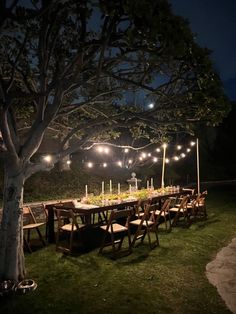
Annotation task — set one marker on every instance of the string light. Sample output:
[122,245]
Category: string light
[47,158]
[143,157]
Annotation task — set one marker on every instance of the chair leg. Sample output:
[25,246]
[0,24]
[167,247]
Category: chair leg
[27,245]
[174,222]
[71,242]
[40,236]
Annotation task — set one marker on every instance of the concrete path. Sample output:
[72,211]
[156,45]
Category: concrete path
[221,273]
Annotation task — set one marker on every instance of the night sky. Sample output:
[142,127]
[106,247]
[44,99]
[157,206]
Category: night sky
[214,23]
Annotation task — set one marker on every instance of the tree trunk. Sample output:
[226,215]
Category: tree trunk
[12,264]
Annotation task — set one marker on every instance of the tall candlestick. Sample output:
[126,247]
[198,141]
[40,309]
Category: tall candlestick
[147,184]
[130,188]
[110,186]
[118,190]
[151,183]
[86,191]
[102,187]
[136,183]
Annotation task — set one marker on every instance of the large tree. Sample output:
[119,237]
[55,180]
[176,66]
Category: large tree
[67,65]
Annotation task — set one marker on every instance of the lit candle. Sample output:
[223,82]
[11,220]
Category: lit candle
[136,183]
[130,188]
[147,184]
[102,187]
[118,188]
[151,183]
[86,191]
[110,186]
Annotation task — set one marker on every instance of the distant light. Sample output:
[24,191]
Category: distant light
[104,165]
[130,161]
[164,145]
[149,154]
[176,158]
[188,150]
[47,158]
[90,164]
[155,159]
[192,143]
[179,147]
[151,106]
[158,150]
[183,155]
[126,150]
[68,162]
[140,158]
[167,160]
[100,149]
[144,155]
[119,163]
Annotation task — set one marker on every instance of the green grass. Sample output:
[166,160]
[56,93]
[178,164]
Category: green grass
[169,279]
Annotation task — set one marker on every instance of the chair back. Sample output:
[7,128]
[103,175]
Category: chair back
[65,216]
[28,217]
[39,213]
[118,214]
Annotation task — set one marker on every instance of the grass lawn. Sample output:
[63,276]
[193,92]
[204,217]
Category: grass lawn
[169,279]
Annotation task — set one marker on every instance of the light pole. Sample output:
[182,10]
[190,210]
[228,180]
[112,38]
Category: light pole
[163,165]
[198,173]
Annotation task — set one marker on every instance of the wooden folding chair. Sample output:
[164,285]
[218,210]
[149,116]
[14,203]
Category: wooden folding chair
[139,208]
[115,232]
[162,213]
[181,210]
[67,225]
[144,226]
[198,205]
[30,223]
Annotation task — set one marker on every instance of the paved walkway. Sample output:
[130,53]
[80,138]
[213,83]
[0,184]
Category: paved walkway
[221,273]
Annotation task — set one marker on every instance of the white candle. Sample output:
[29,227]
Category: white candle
[110,186]
[136,183]
[118,188]
[151,183]
[130,188]
[86,191]
[147,184]
[102,187]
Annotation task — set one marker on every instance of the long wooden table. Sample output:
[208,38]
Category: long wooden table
[87,211]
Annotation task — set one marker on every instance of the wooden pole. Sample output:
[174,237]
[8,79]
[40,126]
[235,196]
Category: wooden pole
[198,173]
[163,166]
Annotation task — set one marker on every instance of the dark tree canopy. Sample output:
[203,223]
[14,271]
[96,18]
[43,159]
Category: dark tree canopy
[68,65]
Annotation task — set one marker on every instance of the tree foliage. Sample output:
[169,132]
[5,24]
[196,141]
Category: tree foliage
[68,64]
